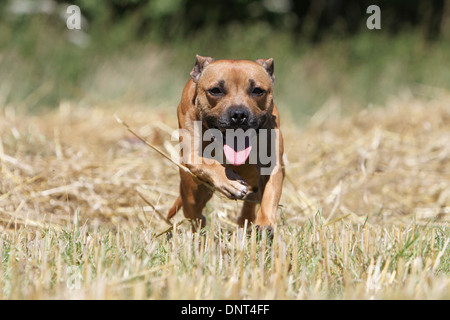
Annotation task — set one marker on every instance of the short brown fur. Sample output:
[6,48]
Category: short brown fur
[236,78]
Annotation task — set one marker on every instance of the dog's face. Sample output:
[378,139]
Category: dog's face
[233,94]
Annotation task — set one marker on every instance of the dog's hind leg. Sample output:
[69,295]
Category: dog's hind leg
[194,197]
[176,206]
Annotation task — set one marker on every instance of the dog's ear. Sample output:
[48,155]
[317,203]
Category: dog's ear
[200,64]
[268,65]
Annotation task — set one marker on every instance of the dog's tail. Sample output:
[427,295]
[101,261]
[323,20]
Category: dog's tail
[176,206]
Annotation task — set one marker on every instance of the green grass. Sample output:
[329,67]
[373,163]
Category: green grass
[337,261]
[40,67]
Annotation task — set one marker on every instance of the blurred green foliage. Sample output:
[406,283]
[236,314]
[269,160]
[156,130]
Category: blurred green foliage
[310,18]
[137,51]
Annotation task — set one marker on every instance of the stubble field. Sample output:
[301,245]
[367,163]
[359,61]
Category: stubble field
[365,209]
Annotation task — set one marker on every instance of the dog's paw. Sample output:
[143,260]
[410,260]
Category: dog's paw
[233,189]
[233,186]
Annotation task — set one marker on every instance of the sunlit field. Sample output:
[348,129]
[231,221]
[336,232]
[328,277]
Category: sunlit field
[364,215]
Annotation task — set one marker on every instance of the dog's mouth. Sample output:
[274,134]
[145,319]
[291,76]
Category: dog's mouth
[237,151]
[236,146]
[237,143]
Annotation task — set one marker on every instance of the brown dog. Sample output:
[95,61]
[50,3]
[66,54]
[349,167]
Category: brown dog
[224,96]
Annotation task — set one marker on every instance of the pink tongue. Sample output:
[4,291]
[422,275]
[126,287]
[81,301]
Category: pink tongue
[235,157]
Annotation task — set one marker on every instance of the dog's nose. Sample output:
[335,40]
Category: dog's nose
[238,116]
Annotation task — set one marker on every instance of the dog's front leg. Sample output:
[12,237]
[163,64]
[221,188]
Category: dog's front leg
[271,186]
[225,180]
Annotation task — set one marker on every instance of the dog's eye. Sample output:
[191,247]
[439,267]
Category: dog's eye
[216,91]
[258,91]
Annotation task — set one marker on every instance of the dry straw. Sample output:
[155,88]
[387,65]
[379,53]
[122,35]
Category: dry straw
[361,192]
[389,165]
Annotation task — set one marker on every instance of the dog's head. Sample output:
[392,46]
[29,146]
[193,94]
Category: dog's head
[236,98]
[233,94]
